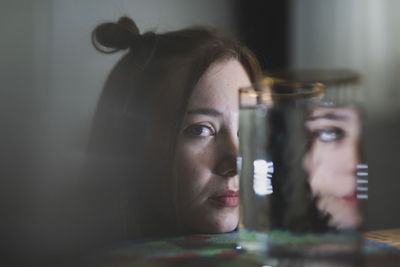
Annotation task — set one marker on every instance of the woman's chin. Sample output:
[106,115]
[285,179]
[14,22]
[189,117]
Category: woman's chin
[217,224]
[223,228]
[342,214]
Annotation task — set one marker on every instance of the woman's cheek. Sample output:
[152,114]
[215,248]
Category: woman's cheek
[192,169]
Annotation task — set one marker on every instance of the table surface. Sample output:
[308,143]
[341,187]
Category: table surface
[284,249]
[387,236]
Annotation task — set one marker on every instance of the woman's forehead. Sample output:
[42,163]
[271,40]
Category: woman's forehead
[219,84]
[339,113]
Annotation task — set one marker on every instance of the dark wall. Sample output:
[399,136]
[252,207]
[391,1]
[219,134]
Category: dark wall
[264,27]
[382,149]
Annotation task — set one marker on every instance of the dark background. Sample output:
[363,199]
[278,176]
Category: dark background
[265,28]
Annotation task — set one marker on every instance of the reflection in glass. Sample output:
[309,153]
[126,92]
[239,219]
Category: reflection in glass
[331,163]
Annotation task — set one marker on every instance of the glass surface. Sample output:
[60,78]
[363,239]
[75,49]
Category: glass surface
[300,162]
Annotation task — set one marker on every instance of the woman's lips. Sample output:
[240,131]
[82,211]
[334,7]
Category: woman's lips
[351,199]
[227,198]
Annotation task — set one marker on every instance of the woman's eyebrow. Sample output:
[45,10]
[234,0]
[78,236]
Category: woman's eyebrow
[329,116]
[205,111]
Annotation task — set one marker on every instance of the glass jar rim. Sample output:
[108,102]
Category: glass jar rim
[284,88]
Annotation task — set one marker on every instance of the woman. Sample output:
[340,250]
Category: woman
[332,163]
[165,130]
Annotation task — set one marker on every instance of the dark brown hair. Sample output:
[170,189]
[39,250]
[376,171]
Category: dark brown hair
[141,109]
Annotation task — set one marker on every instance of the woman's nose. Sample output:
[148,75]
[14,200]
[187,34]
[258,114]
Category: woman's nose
[227,151]
[351,157]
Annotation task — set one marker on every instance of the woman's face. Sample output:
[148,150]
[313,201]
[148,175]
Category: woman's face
[207,182]
[332,163]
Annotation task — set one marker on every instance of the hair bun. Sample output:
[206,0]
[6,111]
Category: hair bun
[115,36]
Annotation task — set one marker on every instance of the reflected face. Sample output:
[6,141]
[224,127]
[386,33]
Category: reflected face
[207,182]
[332,162]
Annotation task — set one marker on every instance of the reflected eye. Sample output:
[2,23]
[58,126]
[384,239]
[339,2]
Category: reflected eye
[198,130]
[329,135]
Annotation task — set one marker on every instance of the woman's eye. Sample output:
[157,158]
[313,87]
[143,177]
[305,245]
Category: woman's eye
[198,130]
[330,135]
